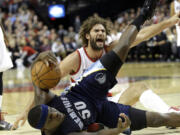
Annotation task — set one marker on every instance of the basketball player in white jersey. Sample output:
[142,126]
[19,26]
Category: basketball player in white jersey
[175,8]
[5,64]
[75,63]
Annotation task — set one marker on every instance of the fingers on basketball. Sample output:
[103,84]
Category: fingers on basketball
[45,77]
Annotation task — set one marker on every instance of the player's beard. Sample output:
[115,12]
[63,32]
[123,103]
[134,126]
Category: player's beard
[94,45]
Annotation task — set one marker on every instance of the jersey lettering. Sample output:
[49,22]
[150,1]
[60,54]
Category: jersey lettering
[71,112]
[81,107]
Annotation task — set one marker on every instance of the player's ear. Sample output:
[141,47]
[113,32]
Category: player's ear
[87,36]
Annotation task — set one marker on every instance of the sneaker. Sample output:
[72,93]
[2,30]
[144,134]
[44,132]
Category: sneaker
[5,125]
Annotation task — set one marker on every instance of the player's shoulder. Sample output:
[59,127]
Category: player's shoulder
[71,61]
[73,56]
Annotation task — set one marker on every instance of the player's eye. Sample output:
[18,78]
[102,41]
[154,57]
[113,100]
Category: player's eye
[96,30]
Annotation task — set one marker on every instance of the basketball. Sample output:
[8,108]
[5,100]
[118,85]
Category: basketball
[43,76]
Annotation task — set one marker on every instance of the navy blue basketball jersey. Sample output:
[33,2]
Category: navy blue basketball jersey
[86,102]
[78,113]
[95,82]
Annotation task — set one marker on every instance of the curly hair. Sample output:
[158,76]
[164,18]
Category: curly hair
[89,23]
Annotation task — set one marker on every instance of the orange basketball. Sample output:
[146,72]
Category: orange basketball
[43,76]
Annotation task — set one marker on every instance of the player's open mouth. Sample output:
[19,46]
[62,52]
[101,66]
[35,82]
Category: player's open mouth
[100,41]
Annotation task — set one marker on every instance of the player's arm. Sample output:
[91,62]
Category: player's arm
[110,131]
[48,58]
[70,64]
[150,31]
[42,96]
[23,116]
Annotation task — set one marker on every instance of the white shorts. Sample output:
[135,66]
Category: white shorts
[120,88]
[5,59]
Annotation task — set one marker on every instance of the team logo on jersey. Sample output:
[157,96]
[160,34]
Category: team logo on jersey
[100,78]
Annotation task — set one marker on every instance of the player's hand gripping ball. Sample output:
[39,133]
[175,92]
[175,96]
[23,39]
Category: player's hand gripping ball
[45,77]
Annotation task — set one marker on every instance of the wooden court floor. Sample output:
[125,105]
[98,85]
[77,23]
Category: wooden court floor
[162,78]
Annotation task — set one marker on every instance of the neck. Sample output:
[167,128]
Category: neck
[93,54]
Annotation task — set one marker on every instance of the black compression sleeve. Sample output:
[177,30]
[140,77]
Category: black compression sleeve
[111,62]
[139,21]
[138,119]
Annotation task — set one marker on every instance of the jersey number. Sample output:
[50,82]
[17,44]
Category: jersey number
[81,107]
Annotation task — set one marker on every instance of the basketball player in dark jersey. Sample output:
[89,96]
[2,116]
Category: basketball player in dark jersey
[86,102]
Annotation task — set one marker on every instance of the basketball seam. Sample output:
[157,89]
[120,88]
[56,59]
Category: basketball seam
[41,69]
[40,81]
[44,74]
[36,73]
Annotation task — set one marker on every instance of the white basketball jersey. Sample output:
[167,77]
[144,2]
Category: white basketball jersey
[177,10]
[85,62]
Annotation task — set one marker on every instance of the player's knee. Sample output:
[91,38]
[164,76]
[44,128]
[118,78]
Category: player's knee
[141,88]
[137,91]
